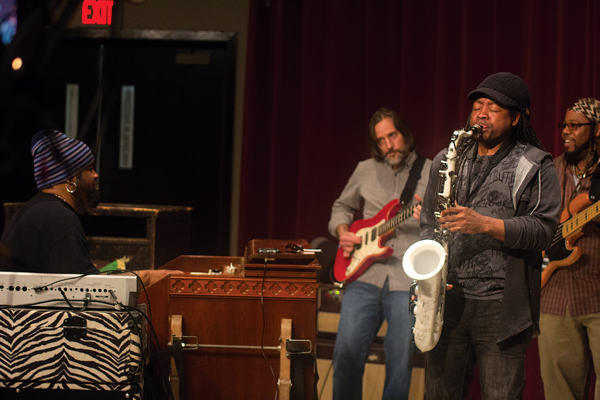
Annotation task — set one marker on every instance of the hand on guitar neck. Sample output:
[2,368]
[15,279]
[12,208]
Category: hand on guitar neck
[417,208]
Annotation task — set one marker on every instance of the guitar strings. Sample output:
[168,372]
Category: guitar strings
[559,235]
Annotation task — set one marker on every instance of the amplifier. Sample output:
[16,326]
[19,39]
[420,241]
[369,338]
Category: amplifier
[25,289]
[329,305]
[62,354]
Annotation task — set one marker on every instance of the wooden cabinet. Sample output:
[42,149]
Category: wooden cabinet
[232,324]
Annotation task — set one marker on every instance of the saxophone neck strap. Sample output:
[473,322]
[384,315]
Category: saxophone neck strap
[413,178]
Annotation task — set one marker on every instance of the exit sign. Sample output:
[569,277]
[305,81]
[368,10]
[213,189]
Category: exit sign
[98,12]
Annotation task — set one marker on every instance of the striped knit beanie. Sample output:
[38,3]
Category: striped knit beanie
[588,107]
[57,158]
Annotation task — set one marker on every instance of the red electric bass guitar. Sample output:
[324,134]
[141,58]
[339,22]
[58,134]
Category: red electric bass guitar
[373,232]
[563,251]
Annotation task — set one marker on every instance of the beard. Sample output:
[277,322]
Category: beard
[575,155]
[397,161]
[93,197]
[91,193]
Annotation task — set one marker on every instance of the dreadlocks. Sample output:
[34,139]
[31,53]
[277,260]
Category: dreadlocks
[524,131]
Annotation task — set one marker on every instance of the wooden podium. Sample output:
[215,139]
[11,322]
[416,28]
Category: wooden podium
[232,325]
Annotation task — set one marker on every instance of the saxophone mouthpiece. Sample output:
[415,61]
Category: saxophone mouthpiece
[475,130]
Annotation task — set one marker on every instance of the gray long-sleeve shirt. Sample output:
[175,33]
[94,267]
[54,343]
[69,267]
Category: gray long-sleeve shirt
[374,184]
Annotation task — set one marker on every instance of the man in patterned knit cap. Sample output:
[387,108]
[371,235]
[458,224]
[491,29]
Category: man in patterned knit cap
[570,302]
[46,235]
[506,213]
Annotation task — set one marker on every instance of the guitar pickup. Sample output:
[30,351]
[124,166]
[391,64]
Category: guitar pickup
[374,234]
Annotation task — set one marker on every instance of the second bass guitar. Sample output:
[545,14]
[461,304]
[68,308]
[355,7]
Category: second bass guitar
[563,251]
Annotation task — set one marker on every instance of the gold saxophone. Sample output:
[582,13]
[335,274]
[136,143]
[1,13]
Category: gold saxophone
[426,261]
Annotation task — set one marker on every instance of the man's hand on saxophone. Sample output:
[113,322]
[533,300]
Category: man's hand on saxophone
[465,220]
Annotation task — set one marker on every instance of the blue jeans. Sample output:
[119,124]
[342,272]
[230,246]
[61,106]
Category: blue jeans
[364,308]
[468,337]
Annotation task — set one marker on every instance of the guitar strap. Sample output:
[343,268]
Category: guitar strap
[594,192]
[413,178]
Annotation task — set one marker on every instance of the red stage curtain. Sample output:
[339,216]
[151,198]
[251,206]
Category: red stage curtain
[317,70]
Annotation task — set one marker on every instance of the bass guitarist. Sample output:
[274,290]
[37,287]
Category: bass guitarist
[570,301]
[381,291]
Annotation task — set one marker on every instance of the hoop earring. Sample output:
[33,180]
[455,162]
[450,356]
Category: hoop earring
[69,190]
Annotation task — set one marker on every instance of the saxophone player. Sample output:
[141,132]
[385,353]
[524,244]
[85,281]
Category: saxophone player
[506,213]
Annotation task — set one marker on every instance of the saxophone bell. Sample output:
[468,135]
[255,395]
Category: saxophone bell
[423,260]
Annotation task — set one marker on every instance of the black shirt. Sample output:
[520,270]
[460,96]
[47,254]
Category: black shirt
[46,236]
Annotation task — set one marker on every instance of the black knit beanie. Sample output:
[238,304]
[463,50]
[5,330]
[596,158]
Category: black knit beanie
[506,90]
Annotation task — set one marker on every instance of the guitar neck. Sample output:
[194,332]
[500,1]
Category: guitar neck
[580,219]
[396,219]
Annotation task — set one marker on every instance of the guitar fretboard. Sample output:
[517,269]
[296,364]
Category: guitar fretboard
[396,219]
[579,220]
